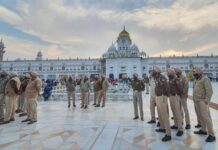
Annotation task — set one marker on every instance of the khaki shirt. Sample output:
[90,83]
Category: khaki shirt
[97,85]
[33,88]
[105,85]
[185,85]
[3,82]
[202,90]
[85,86]
[161,86]
[9,89]
[138,85]
[175,86]
[70,86]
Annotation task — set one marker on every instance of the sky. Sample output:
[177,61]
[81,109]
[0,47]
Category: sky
[86,28]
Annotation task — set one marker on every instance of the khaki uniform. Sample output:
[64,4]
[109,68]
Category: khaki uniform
[70,85]
[138,86]
[162,92]
[202,94]
[152,99]
[32,92]
[97,87]
[3,82]
[84,87]
[11,95]
[175,92]
[183,98]
[103,92]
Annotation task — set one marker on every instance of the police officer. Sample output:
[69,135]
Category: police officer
[202,94]
[3,81]
[152,101]
[70,86]
[22,99]
[103,91]
[138,86]
[175,93]
[32,92]
[162,93]
[85,87]
[183,98]
[97,87]
[11,94]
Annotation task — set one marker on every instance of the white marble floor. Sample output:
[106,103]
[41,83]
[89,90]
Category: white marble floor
[106,128]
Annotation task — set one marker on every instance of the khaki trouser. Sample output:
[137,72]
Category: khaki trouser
[184,107]
[206,124]
[84,97]
[176,109]
[20,102]
[71,95]
[2,101]
[31,108]
[137,102]
[147,87]
[152,106]
[163,116]
[102,97]
[197,111]
[96,95]
[10,105]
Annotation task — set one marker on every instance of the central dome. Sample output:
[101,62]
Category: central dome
[124,33]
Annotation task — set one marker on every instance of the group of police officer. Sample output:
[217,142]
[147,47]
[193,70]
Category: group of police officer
[176,89]
[18,94]
[100,86]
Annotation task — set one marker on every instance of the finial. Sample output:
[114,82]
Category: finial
[124,28]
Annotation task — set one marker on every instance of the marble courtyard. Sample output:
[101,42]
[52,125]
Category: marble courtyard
[97,128]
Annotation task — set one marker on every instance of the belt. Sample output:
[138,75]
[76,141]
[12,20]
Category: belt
[174,95]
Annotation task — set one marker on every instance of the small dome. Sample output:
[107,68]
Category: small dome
[112,48]
[135,47]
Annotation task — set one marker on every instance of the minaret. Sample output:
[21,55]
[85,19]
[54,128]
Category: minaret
[2,47]
[39,56]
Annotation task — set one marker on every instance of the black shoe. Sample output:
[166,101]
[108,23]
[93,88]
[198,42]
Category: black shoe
[142,119]
[85,107]
[210,138]
[172,118]
[94,104]
[179,133]
[147,93]
[103,106]
[4,122]
[137,117]
[198,126]
[166,138]
[160,130]
[81,106]
[74,105]
[158,124]
[31,122]
[68,106]
[200,132]
[174,127]
[98,105]
[188,126]
[25,120]
[151,121]
[12,119]
[23,114]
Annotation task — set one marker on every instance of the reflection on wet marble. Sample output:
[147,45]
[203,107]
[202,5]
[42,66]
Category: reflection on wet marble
[111,127]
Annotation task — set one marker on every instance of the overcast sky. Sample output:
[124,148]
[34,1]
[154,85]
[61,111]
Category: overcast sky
[86,28]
